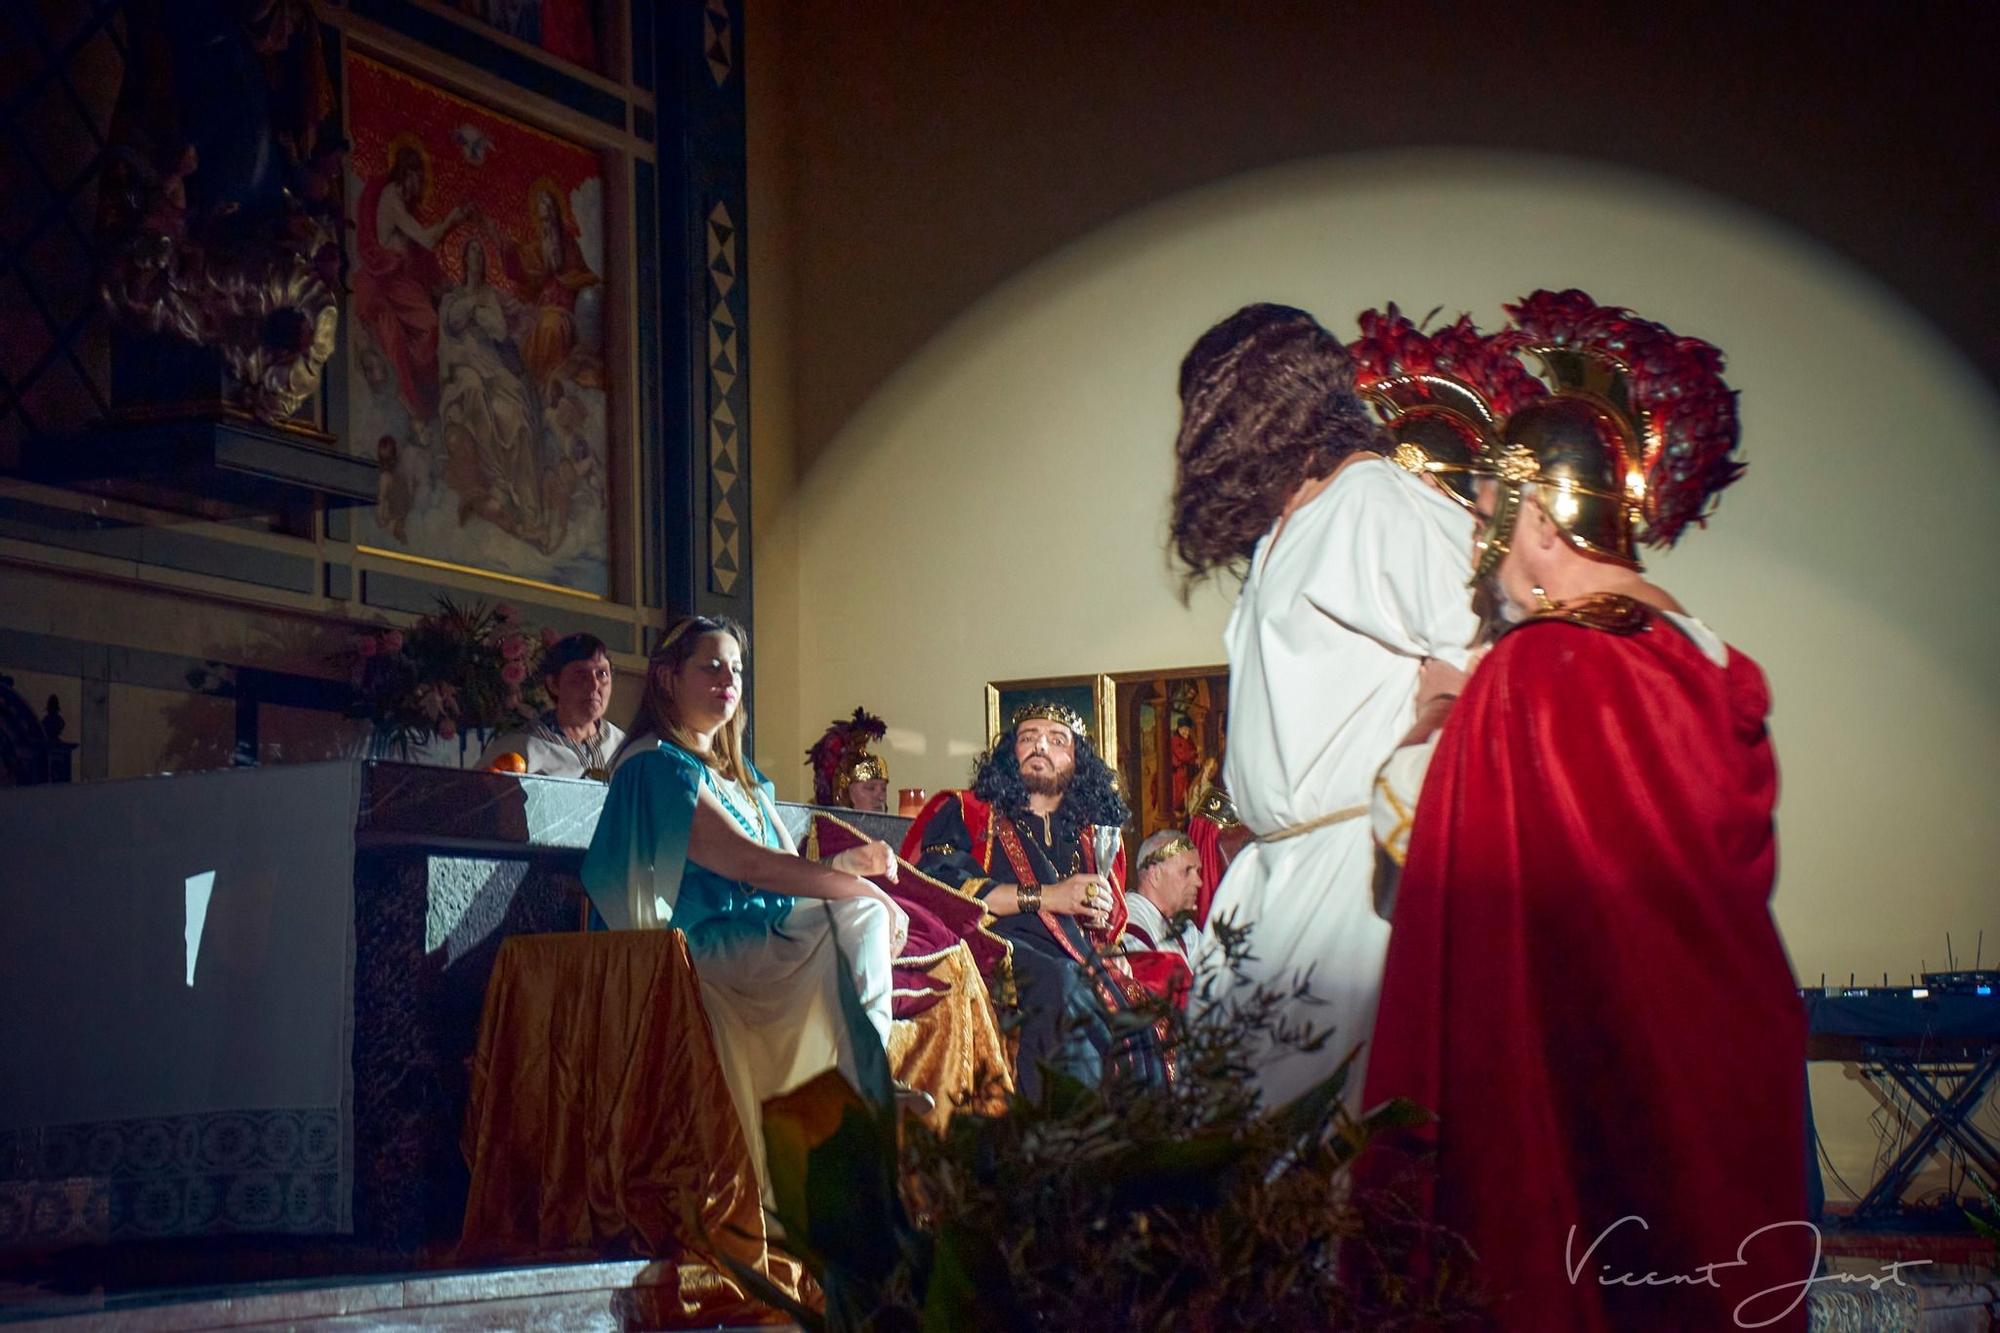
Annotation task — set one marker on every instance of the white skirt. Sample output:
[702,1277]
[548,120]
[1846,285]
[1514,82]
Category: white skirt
[773,1002]
[1308,903]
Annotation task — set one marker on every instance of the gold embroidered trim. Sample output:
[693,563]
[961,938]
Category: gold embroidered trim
[905,868]
[1395,844]
[1611,612]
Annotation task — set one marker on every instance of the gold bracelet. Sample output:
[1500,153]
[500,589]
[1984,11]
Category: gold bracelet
[1027,898]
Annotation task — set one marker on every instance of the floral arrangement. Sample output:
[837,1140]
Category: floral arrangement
[459,669]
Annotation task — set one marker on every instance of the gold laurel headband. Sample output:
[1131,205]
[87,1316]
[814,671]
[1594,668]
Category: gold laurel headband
[1173,847]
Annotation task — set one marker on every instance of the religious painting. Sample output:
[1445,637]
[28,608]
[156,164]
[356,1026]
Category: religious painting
[476,336]
[1166,733]
[565,28]
[1086,696]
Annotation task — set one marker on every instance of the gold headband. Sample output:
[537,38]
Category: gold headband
[1049,711]
[669,639]
[1171,848]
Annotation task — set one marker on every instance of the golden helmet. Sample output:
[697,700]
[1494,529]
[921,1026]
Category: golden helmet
[841,756]
[1440,395]
[1629,444]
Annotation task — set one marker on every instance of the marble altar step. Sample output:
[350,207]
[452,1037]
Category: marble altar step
[568,1298]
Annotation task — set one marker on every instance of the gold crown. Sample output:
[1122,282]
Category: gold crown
[1167,850]
[1049,711]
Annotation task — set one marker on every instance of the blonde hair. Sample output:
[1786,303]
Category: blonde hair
[657,717]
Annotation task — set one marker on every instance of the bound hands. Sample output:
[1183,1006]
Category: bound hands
[1439,684]
[1086,896]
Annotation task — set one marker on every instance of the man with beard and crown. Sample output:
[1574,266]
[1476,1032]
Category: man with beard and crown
[1584,982]
[1036,841]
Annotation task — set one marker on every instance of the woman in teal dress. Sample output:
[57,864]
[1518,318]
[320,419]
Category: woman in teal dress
[689,838]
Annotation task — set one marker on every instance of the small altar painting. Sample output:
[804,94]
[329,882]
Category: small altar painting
[1083,695]
[1169,729]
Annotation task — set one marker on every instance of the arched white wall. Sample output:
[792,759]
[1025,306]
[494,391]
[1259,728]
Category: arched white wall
[998,508]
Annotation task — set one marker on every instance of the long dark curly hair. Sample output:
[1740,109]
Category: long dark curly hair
[1092,797]
[1267,401]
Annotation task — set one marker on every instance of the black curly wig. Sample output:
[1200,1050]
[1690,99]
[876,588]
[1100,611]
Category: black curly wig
[1092,796]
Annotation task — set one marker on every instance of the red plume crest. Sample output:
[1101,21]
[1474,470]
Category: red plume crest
[832,746]
[1690,427]
[1390,345]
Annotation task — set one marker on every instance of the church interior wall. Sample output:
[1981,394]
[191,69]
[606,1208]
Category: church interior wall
[87,581]
[983,428]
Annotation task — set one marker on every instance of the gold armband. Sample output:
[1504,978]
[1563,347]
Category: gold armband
[1027,898]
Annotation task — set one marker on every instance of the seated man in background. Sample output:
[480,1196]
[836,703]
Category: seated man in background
[1160,934]
[571,739]
[1035,842]
[844,772]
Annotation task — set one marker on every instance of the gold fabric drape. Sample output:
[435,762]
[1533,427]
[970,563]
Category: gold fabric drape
[599,1123]
[953,1050]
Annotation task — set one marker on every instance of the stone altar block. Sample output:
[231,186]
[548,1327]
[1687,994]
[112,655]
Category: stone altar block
[243,1002]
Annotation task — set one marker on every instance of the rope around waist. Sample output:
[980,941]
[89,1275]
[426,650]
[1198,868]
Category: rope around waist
[1327,820]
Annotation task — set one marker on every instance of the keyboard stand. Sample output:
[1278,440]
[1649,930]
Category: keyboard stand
[1948,1092]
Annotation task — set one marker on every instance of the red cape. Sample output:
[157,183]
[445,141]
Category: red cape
[975,810]
[1586,986]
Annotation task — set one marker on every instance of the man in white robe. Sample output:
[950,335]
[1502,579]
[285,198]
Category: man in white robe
[1354,573]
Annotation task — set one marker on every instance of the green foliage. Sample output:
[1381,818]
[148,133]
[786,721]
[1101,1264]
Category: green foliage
[1134,1205]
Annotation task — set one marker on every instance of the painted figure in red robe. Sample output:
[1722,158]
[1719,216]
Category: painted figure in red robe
[1584,980]
[399,280]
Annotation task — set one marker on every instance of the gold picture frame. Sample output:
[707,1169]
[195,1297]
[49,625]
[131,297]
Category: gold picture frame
[1165,732]
[1089,695]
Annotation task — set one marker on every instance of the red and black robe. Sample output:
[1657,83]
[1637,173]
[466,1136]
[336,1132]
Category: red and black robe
[1067,978]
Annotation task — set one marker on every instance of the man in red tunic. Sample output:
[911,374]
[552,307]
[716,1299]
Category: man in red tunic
[1584,981]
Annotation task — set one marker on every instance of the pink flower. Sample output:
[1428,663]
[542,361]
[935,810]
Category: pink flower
[505,611]
[365,646]
[548,637]
[513,647]
[392,642]
[513,673]
[446,731]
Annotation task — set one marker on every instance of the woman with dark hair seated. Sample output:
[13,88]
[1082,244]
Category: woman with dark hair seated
[689,838]
[571,739]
